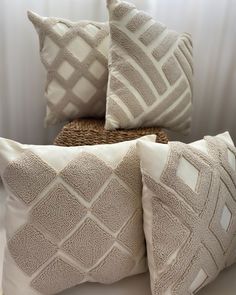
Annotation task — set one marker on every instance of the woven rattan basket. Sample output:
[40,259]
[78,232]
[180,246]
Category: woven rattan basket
[91,131]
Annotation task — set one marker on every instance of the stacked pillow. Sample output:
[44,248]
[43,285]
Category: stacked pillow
[82,214]
[150,72]
[75,57]
[189,203]
[74,214]
[132,69]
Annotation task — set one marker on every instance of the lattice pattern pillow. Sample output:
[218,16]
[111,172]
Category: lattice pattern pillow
[150,72]
[74,215]
[75,57]
[189,202]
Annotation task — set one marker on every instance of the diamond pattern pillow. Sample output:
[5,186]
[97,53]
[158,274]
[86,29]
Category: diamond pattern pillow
[189,202]
[73,215]
[150,72]
[75,57]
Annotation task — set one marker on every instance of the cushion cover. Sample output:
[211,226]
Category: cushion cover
[189,202]
[150,72]
[73,215]
[75,57]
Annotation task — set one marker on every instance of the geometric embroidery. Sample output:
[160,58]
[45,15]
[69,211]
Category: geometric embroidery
[57,213]
[56,277]
[114,197]
[75,57]
[129,173]
[204,174]
[30,249]
[92,174]
[108,271]
[97,243]
[28,176]
[225,218]
[150,81]
[189,244]
[82,221]
[231,159]
[132,245]
[198,282]
[189,178]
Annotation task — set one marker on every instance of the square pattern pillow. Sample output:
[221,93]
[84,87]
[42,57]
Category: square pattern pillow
[189,202]
[150,72]
[75,57]
[74,215]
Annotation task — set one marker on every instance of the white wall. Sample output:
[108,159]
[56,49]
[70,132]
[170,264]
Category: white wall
[22,77]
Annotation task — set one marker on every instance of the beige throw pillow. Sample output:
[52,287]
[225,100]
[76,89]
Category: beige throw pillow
[75,57]
[189,202]
[150,72]
[74,215]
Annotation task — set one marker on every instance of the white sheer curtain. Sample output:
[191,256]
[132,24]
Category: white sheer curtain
[22,77]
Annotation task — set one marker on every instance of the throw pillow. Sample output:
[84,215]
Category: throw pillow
[189,202]
[150,72]
[74,214]
[75,57]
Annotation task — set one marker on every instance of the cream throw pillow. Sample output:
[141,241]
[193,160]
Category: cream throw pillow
[150,72]
[74,214]
[189,202]
[75,57]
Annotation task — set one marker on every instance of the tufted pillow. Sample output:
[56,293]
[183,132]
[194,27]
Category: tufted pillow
[150,72]
[189,202]
[74,214]
[75,57]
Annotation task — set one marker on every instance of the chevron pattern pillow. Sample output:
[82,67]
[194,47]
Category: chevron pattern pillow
[75,57]
[74,215]
[150,72]
[189,202]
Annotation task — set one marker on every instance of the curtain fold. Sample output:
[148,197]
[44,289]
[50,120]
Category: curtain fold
[22,76]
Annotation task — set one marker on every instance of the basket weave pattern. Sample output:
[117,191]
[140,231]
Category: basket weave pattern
[91,132]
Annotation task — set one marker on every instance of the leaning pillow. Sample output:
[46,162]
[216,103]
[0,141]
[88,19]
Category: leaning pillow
[75,57]
[150,72]
[189,202]
[74,215]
